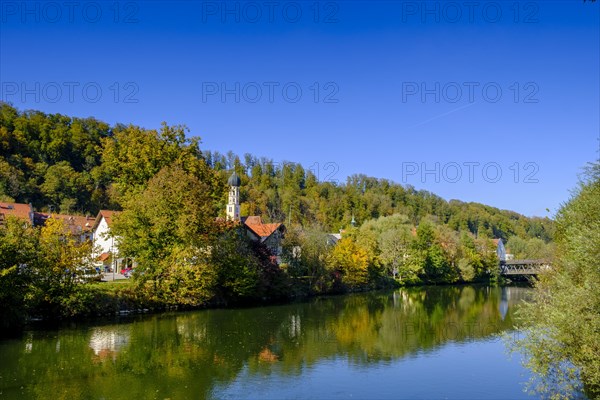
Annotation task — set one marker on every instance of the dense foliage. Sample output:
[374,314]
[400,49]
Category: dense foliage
[389,248]
[83,165]
[562,324]
[40,269]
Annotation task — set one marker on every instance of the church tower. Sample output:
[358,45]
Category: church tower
[233,205]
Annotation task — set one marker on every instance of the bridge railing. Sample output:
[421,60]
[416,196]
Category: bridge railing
[524,267]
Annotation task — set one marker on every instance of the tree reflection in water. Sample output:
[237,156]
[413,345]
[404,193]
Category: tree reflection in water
[188,355]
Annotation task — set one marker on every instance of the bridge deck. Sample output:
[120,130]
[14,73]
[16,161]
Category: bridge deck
[524,267]
[527,262]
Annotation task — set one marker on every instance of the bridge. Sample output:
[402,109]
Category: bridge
[524,267]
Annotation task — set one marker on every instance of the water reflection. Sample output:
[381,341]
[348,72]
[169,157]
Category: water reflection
[107,341]
[511,297]
[198,354]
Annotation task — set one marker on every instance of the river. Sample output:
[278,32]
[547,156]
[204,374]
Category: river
[428,342]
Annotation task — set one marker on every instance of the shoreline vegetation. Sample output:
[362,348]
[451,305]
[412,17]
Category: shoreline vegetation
[119,305]
[105,301]
[561,325]
[171,196]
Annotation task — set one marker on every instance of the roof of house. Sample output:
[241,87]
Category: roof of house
[252,219]
[76,223]
[107,215]
[19,210]
[496,241]
[260,229]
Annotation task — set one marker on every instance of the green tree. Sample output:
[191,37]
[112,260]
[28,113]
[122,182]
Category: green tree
[306,251]
[12,182]
[135,155]
[64,187]
[562,323]
[189,278]
[18,250]
[395,250]
[517,246]
[174,214]
[238,269]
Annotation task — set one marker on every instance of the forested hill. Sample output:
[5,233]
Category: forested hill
[82,165]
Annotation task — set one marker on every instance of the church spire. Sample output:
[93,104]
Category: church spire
[233,205]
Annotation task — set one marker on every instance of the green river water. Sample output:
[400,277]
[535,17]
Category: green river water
[428,342]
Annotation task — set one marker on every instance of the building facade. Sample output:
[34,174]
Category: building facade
[106,245]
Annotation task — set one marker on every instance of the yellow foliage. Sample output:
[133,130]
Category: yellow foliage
[352,260]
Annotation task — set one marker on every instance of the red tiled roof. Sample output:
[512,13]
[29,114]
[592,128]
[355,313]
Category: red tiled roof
[263,230]
[255,224]
[104,257]
[107,215]
[496,241]
[18,210]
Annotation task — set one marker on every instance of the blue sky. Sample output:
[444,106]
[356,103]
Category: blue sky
[441,95]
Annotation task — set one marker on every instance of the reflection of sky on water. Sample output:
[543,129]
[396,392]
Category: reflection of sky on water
[474,370]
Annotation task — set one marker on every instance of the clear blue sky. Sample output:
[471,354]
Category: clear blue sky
[401,85]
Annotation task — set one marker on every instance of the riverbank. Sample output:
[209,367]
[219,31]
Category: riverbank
[106,300]
[125,297]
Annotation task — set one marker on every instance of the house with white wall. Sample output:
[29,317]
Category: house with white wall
[106,245]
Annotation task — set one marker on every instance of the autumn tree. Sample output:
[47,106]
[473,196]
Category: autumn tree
[352,261]
[58,270]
